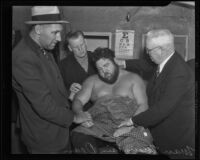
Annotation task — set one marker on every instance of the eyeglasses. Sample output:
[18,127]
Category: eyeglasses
[150,50]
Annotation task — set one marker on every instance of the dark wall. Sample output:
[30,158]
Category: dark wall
[180,20]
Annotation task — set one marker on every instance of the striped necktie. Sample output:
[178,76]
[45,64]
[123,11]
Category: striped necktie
[157,71]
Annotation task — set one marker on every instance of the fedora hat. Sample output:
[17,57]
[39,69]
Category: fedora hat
[45,15]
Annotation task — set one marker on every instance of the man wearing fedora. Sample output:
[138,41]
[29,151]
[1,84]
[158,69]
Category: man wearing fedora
[44,114]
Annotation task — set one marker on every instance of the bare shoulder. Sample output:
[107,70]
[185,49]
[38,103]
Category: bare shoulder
[91,79]
[135,78]
[131,75]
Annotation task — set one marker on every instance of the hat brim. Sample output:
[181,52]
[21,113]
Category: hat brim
[45,22]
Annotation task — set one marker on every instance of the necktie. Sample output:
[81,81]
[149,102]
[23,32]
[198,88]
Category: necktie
[46,54]
[157,71]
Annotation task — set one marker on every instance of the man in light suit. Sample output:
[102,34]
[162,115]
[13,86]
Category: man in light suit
[44,114]
[171,98]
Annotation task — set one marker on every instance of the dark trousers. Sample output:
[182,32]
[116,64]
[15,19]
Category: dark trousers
[66,150]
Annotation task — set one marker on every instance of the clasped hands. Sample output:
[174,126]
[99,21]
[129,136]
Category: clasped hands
[84,118]
[74,89]
[124,127]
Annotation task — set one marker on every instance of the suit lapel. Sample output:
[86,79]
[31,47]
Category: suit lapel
[91,67]
[159,80]
[155,83]
[81,70]
[48,61]
[59,80]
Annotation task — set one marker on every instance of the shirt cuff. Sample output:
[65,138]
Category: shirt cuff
[133,123]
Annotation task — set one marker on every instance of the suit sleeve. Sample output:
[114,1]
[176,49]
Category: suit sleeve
[28,75]
[175,88]
[62,66]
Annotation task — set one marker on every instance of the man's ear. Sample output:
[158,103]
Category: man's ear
[69,48]
[38,29]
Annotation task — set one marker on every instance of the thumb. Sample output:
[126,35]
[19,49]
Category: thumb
[116,134]
[122,124]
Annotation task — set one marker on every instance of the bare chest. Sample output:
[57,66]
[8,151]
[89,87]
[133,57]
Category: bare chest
[120,89]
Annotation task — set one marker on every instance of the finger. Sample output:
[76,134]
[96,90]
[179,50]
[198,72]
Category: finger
[74,89]
[125,123]
[78,86]
[121,125]
[83,124]
[88,118]
[90,124]
[116,134]
[85,117]
[88,115]
[71,89]
[72,86]
[86,124]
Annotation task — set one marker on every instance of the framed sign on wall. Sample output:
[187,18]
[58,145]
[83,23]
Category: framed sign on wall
[124,44]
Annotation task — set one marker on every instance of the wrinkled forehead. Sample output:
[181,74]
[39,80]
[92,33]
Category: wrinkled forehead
[53,27]
[158,41]
[76,41]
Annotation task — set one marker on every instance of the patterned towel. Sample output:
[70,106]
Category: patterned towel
[107,113]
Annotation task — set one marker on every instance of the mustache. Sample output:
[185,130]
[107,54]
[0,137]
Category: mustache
[112,77]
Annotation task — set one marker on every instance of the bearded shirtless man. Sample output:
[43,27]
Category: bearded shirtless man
[110,81]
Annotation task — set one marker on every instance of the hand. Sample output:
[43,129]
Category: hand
[122,131]
[82,117]
[127,122]
[121,63]
[75,87]
[87,124]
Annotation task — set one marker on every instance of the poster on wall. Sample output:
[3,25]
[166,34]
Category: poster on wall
[124,44]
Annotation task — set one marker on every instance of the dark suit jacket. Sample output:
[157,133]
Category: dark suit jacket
[72,72]
[44,109]
[171,113]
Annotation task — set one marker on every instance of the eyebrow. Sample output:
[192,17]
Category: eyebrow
[57,31]
[106,64]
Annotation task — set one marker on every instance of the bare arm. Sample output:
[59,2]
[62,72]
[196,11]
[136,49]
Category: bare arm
[139,91]
[83,96]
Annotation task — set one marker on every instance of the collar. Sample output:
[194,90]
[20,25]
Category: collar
[81,59]
[33,45]
[161,66]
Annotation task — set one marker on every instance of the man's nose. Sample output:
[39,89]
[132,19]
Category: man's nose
[58,37]
[105,70]
[80,49]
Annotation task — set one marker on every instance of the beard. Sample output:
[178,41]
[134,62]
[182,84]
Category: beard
[113,78]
